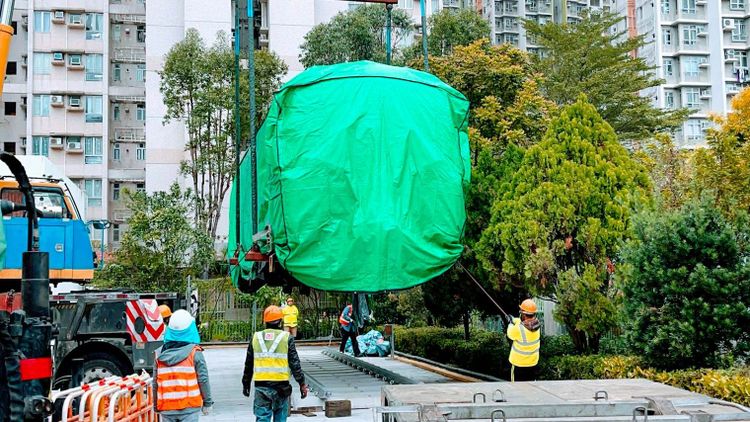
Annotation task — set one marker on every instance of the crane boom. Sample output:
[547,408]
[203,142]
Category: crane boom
[6,32]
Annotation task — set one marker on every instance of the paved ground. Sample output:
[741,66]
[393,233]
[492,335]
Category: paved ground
[225,367]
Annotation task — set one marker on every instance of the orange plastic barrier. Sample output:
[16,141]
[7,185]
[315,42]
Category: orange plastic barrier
[114,399]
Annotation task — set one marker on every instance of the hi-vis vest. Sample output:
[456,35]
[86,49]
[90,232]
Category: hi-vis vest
[343,321]
[270,353]
[525,349]
[177,386]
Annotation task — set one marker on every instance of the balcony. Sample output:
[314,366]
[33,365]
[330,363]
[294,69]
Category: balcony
[127,99]
[132,134]
[132,175]
[128,19]
[129,55]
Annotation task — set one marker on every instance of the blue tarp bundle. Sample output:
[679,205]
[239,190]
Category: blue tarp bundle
[371,344]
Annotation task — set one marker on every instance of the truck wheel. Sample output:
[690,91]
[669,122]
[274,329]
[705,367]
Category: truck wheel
[99,366]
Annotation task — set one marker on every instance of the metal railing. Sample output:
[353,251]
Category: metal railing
[134,19]
[130,134]
[129,55]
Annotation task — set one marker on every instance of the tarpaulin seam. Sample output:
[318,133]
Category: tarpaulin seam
[281,186]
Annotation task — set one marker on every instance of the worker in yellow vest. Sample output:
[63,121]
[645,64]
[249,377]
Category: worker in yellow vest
[270,357]
[181,375]
[525,333]
[291,314]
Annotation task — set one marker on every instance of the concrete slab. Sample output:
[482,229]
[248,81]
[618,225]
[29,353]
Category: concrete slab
[409,371]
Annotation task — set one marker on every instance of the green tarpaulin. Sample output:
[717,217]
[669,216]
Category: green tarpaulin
[361,175]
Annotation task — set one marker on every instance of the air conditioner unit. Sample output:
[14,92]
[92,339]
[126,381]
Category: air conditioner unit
[56,99]
[728,23]
[74,146]
[730,54]
[56,142]
[59,15]
[76,19]
[74,102]
[75,60]
[58,57]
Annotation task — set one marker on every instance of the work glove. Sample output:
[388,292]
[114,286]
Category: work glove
[303,389]
[509,319]
[246,390]
[206,410]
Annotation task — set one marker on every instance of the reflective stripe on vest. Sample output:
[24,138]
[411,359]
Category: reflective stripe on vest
[343,321]
[270,357]
[177,386]
[525,352]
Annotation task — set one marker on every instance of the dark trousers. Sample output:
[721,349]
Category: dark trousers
[349,335]
[519,373]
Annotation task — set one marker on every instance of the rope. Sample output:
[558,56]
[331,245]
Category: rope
[471,276]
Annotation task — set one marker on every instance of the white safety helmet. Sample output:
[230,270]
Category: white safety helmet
[180,320]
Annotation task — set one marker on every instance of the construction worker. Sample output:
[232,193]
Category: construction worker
[181,374]
[291,313]
[525,333]
[270,356]
[348,329]
[165,313]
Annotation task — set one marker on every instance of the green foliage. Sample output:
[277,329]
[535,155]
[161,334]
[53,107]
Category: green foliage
[563,215]
[723,171]
[161,247]
[406,308]
[353,35]
[587,57]
[226,331]
[448,29]
[670,168]
[687,288]
[486,353]
[197,85]
[556,346]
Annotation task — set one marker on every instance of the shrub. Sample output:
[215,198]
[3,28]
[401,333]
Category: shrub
[226,331]
[557,346]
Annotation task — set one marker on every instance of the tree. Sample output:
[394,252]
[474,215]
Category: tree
[737,122]
[161,247]
[589,58]
[353,35]
[687,287]
[558,224]
[197,84]
[671,169]
[448,29]
[507,115]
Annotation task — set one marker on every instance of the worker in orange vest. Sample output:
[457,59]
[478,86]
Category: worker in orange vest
[348,329]
[180,373]
[526,335]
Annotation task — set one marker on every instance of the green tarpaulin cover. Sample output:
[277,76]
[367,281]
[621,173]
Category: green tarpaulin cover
[361,175]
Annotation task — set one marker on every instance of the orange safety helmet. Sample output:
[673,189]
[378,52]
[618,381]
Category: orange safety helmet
[165,311]
[272,313]
[528,307]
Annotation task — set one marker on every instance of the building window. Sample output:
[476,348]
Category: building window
[10,108]
[140,187]
[692,98]
[694,131]
[42,63]
[688,6]
[669,100]
[94,108]
[42,20]
[94,24]
[140,112]
[741,59]
[736,4]
[116,72]
[140,73]
[666,7]
[11,68]
[739,33]
[690,35]
[141,33]
[116,33]
[116,152]
[406,4]
[140,152]
[40,145]
[92,150]
[115,191]
[115,231]
[40,106]
[668,66]
[691,66]
[94,67]
[666,36]
[116,112]
[93,189]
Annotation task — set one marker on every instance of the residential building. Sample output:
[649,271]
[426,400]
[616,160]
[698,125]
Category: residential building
[506,17]
[700,49]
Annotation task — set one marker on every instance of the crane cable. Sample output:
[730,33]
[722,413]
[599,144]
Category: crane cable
[471,276]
